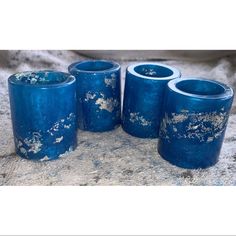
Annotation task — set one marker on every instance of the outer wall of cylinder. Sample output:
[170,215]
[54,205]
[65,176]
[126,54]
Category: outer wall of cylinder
[145,85]
[98,94]
[193,125]
[43,110]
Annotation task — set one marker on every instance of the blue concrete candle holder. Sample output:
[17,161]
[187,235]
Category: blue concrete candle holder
[143,97]
[98,94]
[195,116]
[43,110]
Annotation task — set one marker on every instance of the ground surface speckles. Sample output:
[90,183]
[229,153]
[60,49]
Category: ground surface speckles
[110,158]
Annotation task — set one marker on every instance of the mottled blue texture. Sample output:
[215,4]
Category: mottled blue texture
[145,84]
[98,94]
[193,125]
[43,111]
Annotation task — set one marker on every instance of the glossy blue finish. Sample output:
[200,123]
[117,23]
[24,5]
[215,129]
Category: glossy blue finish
[98,94]
[43,110]
[145,84]
[193,125]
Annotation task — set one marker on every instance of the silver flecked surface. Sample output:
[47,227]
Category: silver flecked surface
[110,158]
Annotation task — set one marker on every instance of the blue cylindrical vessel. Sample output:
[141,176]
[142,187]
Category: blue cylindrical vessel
[196,112]
[145,85]
[43,110]
[98,94]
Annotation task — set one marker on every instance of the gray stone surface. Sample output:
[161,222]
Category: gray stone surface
[110,158]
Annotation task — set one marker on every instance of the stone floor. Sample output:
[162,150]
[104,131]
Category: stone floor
[110,158]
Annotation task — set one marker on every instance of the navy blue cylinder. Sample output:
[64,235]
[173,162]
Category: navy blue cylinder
[196,112]
[145,85]
[43,111]
[98,94]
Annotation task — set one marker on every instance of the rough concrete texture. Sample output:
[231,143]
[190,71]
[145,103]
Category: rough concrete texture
[110,158]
